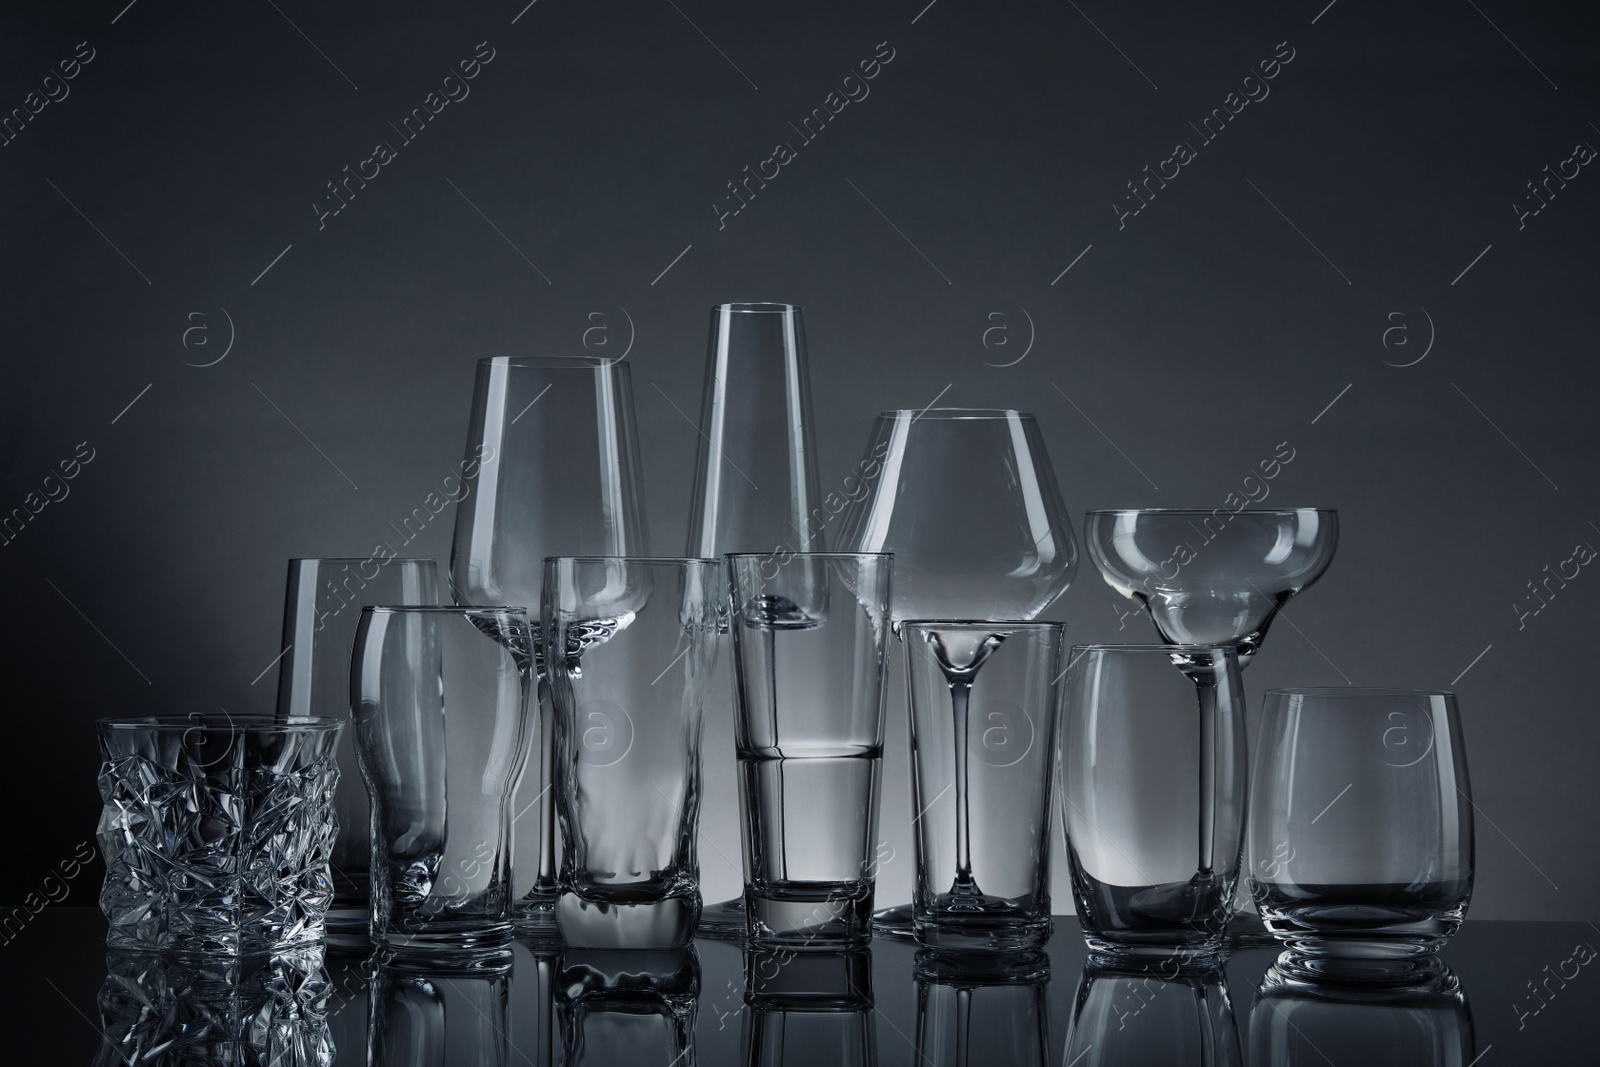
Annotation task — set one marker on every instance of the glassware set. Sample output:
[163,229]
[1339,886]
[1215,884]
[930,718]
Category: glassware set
[553,715]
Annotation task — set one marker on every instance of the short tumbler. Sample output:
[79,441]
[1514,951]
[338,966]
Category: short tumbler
[629,643]
[216,832]
[810,644]
[440,702]
[983,741]
[1154,795]
[1361,829]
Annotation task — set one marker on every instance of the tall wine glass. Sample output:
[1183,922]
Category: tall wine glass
[755,486]
[967,501]
[552,469]
[1213,577]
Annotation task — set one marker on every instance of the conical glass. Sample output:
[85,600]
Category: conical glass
[552,469]
[967,501]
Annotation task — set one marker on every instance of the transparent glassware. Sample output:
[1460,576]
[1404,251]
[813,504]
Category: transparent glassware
[627,1006]
[983,752]
[551,468]
[811,647]
[322,609]
[425,1017]
[440,701]
[808,1008]
[1296,1024]
[967,502]
[258,1009]
[1153,798]
[631,643]
[756,486]
[1212,577]
[1134,1016]
[216,832]
[974,1013]
[1361,834]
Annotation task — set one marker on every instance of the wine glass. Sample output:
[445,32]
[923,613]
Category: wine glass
[755,486]
[967,501]
[1213,578]
[552,469]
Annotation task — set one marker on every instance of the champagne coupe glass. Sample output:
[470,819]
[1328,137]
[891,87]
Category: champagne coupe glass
[967,501]
[755,487]
[1214,577]
[552,469]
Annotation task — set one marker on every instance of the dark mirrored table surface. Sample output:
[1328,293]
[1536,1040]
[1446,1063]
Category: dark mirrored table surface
[1528,993]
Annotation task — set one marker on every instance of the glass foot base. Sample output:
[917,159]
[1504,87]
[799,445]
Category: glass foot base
[723,921]
[896,923]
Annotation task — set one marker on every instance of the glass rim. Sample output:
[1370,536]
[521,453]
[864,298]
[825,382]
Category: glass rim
[1154,647]
[953,413]
[755,307]
[976,624]
[248,723]
[637,560]
[552,362]
[809,555]
[363,559]
[1207,511]
[1358,690]
[446,609]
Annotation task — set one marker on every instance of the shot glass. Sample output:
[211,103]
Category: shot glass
[216,833]
[983,740]
[1361,831]
[810,645]
[1153,768]
[439,696]
[322,609]
[629,643]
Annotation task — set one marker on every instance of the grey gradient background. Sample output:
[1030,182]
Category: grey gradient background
[1176,353]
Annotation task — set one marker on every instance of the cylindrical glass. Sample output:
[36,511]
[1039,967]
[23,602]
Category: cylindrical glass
[810,641]
[983,746]
[439,697]
[1154,1014]
[1361,828]
[1299,1024]
[629,645]
[971,1015]
[806,1008]
[216,832]
[551,468]
[1153,789]
[321,612]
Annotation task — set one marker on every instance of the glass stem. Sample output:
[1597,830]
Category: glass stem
[960,698]
[1208,776]
[963,1026]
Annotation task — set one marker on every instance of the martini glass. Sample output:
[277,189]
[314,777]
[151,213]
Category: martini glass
[1212,578]
[966,500]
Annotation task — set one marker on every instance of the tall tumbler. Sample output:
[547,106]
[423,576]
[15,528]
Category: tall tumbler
[756,486]
[1154,798]
[440,702]
[552,468]
[321,612]
[629,645]
[981,779]
[1361,831]
[811,644]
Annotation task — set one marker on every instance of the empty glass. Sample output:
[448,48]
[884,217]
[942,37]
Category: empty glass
[216,832]
[983,747]
[321,612]
[1154,797]
[1157,1013]
[755,487]
[629,645]
[1361,830]
[432,1018]
[551,468]
[439,696]
[1299,1024]
[811,635]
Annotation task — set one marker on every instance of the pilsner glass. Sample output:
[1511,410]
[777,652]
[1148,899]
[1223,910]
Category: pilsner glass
[810,639]
[321,612]
[1361,830]
[629,645]
[439,696]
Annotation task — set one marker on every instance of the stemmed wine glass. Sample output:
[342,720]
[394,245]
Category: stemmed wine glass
[755,486]
[552,469]
[1212,578]
[967,501]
